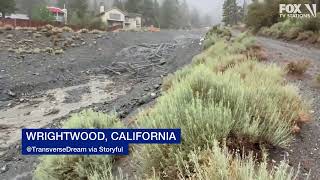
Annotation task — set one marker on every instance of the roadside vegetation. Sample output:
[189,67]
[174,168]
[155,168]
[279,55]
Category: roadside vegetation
[80,167]
[298,67]
[264,19]
[231,109]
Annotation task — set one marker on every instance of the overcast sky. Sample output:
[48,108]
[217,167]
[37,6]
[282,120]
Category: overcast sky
[211,7]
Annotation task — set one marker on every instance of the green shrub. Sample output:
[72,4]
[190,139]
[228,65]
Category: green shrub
[293,33]
[262,14]
[79,167]
[221,107]
[224,96]
[218,163]
[311,24]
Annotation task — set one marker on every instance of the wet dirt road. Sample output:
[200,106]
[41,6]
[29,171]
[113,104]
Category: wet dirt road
[305,149]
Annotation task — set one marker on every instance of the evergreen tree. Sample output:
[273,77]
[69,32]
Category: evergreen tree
[185,14]
[134,6]
[231,12]
[156,13]
[148,13]
[7,6]
[170,14]
[119,4]
[41,13]
[195,18]
[78,7]
[29,5]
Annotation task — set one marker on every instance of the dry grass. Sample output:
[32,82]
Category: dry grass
[8,27]
[304,35]
[83,31]
[67,29]
[96,31]
[298,67]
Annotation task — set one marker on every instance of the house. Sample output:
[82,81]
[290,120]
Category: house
[115,17]
[60,15]
[16,16]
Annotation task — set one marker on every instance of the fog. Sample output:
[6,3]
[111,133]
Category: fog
[211,7]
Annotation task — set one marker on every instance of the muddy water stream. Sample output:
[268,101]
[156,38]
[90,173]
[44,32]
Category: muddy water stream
[56,103]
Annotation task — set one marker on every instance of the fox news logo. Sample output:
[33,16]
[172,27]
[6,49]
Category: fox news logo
[295,10]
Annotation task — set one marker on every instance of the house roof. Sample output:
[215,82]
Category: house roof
[133,15]
[17,16]
[123,12]
[55,10]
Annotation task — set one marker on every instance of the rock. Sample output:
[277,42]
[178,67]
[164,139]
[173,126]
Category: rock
[36,51]
[73,45]
[48,50]
[9,36]
[153,95]
[4,169]
[162,62]
[156,86]
[145,99]
[37,35]
[99,49]
[58,51]
[10,93]
[94,42]
[51,111]
[83,43]
[11,50]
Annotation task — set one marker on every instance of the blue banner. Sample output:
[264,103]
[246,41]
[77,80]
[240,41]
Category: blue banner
[92,141]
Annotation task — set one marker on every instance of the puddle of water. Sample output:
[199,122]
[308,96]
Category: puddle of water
[47,109]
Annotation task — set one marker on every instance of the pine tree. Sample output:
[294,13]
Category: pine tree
[156,13]
[195,18]
[134,6]
[148,13]
[30,5]
[119,4]
[185,14]
[170,14]
[230,12]
[7,6]
[79,7]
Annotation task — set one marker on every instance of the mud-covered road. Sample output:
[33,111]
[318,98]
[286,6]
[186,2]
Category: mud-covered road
[305,149]
[109,72]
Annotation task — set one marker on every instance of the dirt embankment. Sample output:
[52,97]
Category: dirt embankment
[305,149]
[107,72]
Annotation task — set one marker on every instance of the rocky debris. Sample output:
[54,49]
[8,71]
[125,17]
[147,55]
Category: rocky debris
[9,36]
[4,169]
[10,93]
[83,31]
[147,57]
[58,51]
[51,111]
[37,35]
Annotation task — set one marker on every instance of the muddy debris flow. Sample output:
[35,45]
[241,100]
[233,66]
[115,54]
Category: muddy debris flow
[45,76]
